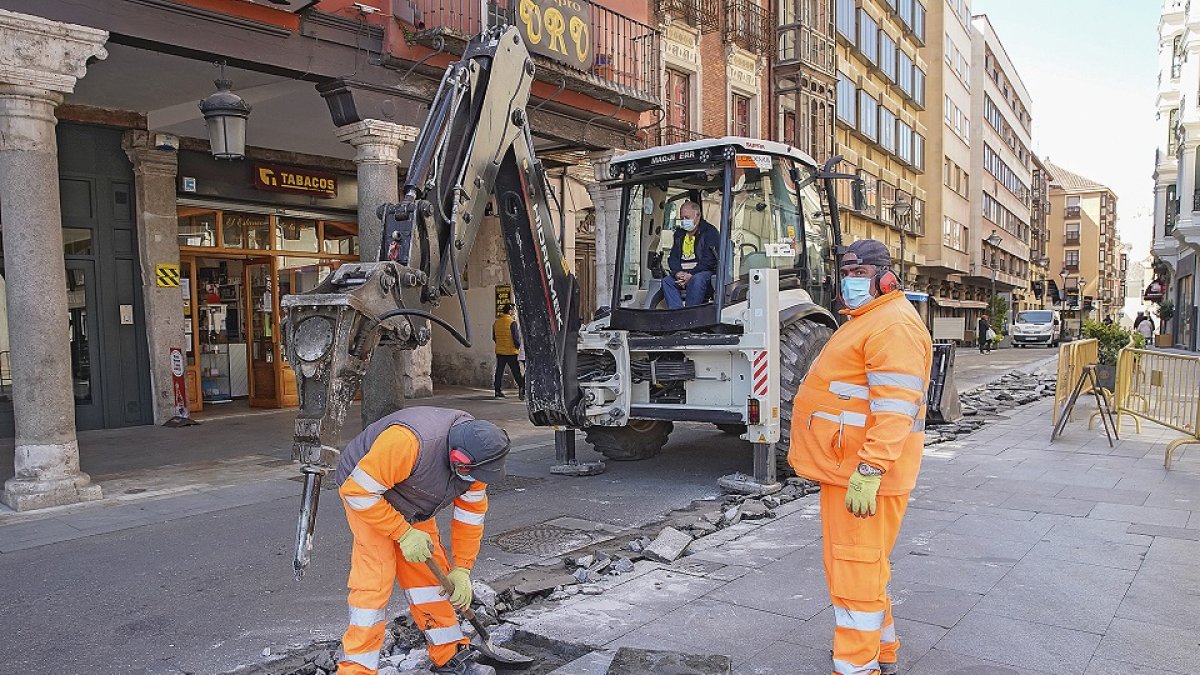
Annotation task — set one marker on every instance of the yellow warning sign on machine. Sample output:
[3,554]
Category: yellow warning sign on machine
[168,275]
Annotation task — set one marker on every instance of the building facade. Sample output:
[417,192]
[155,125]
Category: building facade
[166,259]
[1001,170]
[881,92]
[1041,282]
[804,75]
[1084,247]
[1176,244]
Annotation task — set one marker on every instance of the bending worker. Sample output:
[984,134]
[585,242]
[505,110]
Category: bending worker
[858,429]
[394,477]
[693,259]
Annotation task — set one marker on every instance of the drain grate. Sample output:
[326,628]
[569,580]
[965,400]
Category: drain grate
[543,539]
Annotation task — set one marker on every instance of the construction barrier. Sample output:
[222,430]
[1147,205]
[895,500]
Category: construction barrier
[1161,387]
[1072,358]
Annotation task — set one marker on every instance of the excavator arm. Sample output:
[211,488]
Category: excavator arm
[475,145]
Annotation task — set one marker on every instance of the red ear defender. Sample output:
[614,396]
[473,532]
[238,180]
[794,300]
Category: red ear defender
[460,461]
[886,281]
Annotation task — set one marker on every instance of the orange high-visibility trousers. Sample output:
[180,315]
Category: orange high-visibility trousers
[375,565]
[857,569]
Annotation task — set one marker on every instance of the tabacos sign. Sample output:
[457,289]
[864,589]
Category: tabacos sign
[559,30]
[276,178]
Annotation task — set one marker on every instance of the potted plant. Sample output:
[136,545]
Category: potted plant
[1112,340]
[1166,311]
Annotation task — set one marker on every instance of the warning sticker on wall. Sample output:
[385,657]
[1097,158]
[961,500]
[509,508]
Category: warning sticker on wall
[167,275]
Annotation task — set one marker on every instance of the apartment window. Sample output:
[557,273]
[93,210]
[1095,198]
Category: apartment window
[1172,131]
[1072,200]
[919,86]
[868,37]
[1073,231]
[918,24]
[906,73]
[918,217]
[918,151]
[1172,209]
[789,127]
[949,110]
[1176,57]
[906,12]
[741,116]
[845,99]
[949,51]
[965,186]
[679,100]
[887,129]
[871,189]
[887,195]
[948,168]
[868,115]
[1071,257]
[887,55]
[904,135]
[845,19]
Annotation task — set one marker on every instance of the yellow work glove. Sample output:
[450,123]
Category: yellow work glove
[460,577]
[860,494]
[415,545]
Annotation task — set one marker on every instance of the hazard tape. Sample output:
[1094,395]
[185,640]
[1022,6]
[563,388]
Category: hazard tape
[760,372]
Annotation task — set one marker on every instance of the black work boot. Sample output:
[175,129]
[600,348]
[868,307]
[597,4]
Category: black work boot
[886,668]
[464,663]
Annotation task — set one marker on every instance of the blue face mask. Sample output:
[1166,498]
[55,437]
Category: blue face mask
[687,224]
[856,291]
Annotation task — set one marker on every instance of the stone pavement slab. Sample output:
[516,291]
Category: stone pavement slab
[1059,593]
[930,604]
[1024,644]
[1164,648]
[941,662]
[973,576]
[1147,515]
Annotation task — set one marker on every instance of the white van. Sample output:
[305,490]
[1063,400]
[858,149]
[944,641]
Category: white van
[1037,327]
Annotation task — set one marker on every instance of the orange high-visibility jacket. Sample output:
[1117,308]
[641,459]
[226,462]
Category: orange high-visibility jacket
[390,461]
[863,399]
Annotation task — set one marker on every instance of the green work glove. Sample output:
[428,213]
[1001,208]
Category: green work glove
[415,545]
[460,577]
[860,494]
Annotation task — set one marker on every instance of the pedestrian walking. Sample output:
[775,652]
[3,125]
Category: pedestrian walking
[858,429]
[1144,325]
[393,478]
[521,358]
[985,334]
[507,336]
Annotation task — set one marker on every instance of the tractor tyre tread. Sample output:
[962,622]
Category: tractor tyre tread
[799,344]
[642,439]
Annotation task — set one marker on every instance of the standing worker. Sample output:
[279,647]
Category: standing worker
[507,336]
[984,334]
[858,429]
[394,477]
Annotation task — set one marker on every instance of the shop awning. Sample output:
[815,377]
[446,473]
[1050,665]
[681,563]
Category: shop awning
[916,296]
[973,304]
[945,302]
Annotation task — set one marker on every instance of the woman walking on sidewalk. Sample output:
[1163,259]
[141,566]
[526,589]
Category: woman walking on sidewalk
[984,335]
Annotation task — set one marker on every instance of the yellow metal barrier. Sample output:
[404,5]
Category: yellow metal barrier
[1163,388]
[1072,357]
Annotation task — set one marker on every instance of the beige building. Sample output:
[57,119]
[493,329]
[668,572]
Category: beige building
[947,244]
[1084,247]
[881,89]
[1039,239]
[1001,172]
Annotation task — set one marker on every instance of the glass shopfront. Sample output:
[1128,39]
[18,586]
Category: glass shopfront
[237,261]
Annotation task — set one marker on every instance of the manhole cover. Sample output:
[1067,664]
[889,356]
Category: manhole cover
[543,539]
[512,482]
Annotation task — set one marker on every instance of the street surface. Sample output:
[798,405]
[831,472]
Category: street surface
[186,565]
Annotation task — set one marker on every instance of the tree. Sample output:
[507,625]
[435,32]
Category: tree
[998,314]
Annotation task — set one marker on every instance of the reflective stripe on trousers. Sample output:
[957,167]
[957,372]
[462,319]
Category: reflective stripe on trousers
[375,566]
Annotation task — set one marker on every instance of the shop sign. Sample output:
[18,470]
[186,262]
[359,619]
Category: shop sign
[560,30]
[177,382]
[1156,291]
[276,178]
[503,297]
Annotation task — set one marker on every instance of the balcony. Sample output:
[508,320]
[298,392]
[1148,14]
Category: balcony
[803,45]
[748,25]
[1071,213]
[702,14]
[1071,239]
[669,134]
[611,57]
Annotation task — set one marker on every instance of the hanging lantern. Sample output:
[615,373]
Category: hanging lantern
[225,116]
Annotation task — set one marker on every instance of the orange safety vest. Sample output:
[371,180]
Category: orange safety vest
[502,334]
[863,399]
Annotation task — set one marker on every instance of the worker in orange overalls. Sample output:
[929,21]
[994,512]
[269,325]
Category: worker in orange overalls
[393,477]
[858,429]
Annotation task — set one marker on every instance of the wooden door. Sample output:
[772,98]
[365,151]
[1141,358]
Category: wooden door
[261,284]
[679,107]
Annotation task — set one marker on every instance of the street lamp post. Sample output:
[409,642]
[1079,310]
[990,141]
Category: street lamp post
[901,211]
[1044,263]
[995,240]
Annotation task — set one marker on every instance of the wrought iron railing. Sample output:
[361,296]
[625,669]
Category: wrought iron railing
[749,25]
[702,14]
[1071,238]
[1072,212]
[622,53]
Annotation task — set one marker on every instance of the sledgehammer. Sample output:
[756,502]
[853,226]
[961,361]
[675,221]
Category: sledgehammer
[483,643]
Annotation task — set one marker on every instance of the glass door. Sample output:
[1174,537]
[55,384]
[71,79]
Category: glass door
[84,330]
[262,283]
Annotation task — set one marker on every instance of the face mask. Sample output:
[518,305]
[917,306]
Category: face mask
[687,224]
[856,291]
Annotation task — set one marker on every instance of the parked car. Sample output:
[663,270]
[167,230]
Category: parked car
[1037,327]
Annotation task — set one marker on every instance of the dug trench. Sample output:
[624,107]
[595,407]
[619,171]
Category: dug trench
[590,568]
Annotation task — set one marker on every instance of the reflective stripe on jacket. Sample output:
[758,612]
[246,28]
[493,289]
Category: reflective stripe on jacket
[502,334]
[863,399]
[397,472]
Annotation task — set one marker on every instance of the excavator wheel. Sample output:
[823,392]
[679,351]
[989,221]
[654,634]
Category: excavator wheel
[732,429]
[799,344]
[637,440]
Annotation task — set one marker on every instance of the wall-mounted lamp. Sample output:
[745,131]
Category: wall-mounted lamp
[225,116]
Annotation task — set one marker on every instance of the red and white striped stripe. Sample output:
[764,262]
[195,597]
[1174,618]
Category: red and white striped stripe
[760,372]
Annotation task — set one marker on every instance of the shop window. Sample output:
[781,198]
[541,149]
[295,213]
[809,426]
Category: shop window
[340,238]
[197,227]
[77,241]
[293,234]
[245,230]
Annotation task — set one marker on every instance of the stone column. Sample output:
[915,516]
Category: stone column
[154,174]
[393,374]
[40,60]
[607,203]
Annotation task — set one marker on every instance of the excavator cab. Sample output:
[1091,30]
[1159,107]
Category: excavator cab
[764,200]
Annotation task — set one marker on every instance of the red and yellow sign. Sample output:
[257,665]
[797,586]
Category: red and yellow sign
[276,178]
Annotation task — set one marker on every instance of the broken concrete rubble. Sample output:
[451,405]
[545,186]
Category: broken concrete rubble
[668,546]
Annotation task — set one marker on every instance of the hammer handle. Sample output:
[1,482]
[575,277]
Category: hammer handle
[468,613]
